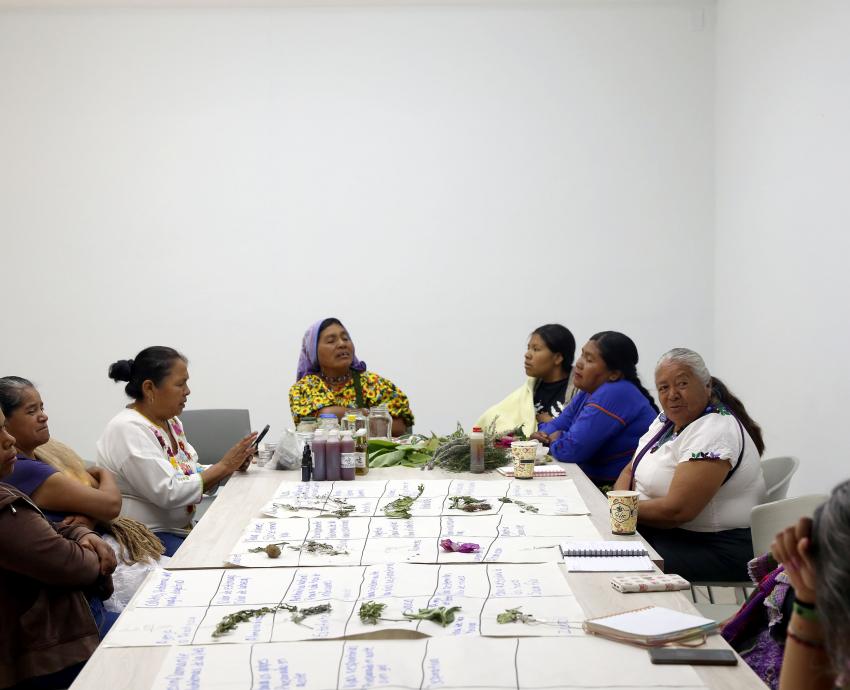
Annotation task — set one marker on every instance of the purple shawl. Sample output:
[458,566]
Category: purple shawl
[308,359]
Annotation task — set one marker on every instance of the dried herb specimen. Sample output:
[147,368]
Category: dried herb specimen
[523,506]
[318,547]
[400,508]
[370,612]
[515,616]
[440,614]
[469,504]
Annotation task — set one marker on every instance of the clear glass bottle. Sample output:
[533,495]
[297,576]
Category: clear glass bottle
[328,421]
[380,423]
[307,424]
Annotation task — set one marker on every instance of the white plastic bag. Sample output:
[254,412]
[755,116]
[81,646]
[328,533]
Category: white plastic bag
[287,455]
[127,578]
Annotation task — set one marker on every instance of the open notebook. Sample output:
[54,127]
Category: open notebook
[605,556]
[651,626]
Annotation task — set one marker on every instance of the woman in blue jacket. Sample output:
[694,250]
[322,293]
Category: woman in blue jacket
[600,428]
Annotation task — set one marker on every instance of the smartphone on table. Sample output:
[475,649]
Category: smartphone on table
[695,657]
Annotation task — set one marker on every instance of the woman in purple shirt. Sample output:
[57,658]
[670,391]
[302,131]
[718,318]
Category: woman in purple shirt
[90,498]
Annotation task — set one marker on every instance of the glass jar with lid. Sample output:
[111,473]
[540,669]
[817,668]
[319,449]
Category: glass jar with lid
[328,421]
[380,423]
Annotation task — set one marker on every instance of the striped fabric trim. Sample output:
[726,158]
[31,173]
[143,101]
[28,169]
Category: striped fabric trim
[609,413]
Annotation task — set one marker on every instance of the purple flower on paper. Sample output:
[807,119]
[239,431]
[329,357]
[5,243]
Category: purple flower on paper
[460,547]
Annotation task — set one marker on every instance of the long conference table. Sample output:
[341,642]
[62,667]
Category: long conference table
[240,500]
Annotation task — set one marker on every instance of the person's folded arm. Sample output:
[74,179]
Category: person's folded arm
[694,484]
[591,428]
[60,493]
[564,420]
[37,551]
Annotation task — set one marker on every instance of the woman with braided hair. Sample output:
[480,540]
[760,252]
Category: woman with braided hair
[600,428]
[698,473]
[57,481]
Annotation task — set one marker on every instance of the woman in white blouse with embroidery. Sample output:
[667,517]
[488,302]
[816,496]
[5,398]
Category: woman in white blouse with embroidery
[698,471]
[144,445]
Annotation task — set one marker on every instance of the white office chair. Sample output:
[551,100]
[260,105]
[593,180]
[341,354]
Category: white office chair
[768,519]
[777,476]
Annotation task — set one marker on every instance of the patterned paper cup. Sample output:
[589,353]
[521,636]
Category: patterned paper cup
[623,507]
[523,454]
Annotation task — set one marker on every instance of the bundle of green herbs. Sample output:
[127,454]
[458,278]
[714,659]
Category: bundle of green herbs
[415,452]
[454,452]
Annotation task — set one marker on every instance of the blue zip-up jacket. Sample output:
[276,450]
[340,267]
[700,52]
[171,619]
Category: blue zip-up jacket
[600,430]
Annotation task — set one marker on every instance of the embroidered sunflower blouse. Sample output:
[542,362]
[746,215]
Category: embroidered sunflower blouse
[310,394]
[160,485]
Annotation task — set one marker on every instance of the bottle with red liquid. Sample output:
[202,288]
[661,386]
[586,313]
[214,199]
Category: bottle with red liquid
[320,442]
[332,459]
[347,457]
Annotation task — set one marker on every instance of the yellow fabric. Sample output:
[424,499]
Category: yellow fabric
[515,410]
[65,460]
[310,394]
[518,409]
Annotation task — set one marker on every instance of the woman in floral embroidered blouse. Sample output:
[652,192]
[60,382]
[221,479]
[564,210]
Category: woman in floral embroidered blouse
[144,445]
[329,375]
[698,472]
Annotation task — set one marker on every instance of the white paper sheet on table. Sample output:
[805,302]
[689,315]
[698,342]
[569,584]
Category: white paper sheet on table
[183,607]
[368,498]
[529,663]
[516,538]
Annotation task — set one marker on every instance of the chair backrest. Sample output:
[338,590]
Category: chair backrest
[777,476]
[213,432]
[768,519]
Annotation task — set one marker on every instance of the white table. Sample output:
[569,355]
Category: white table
[239,501]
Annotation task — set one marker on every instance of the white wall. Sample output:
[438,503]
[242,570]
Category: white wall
[442,178]
[783,212]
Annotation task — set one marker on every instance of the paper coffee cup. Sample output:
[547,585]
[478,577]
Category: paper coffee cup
[623,508]
[523,450]
[523,454]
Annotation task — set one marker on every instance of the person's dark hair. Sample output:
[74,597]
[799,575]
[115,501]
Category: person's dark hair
[153,363]
[559,340]
[830,546]
[620,354]
[328,322]
[719,391]
[12,393]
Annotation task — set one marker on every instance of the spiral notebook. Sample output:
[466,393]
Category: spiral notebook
[539,471]
[606,556]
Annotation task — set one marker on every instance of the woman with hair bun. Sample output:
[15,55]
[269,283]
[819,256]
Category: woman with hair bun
[600,428]
[698,473]
[548,388]
[144,445]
